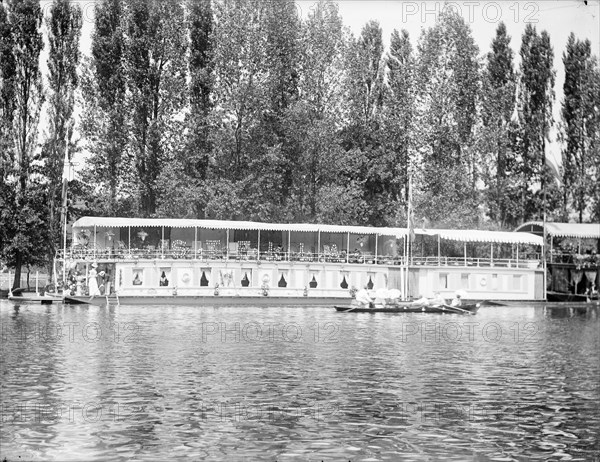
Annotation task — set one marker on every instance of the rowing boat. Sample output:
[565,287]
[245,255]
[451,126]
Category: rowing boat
[463,309]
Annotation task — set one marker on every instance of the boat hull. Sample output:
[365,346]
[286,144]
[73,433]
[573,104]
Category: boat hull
[206,301]
[443,309]
[42,299]
[565,297]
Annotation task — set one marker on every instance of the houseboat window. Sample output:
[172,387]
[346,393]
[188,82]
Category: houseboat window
[165,277]
[344,283]
[443,280]
[247,277]
[138,277]
[204,278]
[282,282]
[464,280]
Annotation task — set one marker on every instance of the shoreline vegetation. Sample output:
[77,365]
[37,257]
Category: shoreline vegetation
[245,111]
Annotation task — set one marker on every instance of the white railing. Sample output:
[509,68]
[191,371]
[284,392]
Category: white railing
[186,252]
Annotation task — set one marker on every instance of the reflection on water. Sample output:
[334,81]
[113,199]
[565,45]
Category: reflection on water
[161,383]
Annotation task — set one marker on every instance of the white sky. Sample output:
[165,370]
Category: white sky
[558,17]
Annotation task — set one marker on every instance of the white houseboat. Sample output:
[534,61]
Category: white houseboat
[211,261]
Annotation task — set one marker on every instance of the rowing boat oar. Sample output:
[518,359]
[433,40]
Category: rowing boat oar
[457,309]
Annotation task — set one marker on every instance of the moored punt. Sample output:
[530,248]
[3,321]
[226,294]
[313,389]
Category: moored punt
[411,308]
[34,298]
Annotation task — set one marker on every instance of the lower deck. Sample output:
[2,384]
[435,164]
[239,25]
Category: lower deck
[301,280]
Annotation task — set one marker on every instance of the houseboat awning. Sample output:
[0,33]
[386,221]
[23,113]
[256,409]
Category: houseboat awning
[578,230]
[117,222]
[472,235]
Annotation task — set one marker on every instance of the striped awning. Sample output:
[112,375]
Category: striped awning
[576,230]
[475,235]
[118,222]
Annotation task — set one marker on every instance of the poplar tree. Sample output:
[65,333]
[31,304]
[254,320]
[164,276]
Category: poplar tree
[447,93]
[535,100]
[399,110]
[155,66]
[498,104]
[580,126]
[104,118]
[23,236]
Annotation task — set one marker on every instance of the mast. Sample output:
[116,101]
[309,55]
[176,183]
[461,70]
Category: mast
[63,210]
[409,237]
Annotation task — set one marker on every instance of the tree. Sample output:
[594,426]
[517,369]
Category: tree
[64,30]
[535,99]
[201,68]
[580,124]
[22,224]
[104,115]
[399,110]
[362,136]
[497,107]
[318,113]
[447,92]
[155,66]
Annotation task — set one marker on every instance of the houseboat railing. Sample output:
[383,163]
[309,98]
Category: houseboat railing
[90,252]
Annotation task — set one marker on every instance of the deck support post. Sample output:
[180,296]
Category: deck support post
[227,244]
[195,242]
[517,255]
[162,242]
[319,245]
[348,247]
[376,236]
[258,245]
[129,239]
[289,245]
[95,240]
[465,253]
[551,256]
[439,252]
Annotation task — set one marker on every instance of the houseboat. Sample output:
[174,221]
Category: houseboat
[147,261]
[572,259]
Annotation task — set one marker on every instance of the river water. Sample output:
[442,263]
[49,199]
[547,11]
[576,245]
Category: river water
[297,383]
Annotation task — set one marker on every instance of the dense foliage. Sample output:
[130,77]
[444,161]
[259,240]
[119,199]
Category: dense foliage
[237,109]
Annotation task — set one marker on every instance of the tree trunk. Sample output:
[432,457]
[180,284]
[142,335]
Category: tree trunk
[17,280]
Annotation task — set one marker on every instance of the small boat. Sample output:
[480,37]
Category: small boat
[46,299]
[565,297]
[411,308]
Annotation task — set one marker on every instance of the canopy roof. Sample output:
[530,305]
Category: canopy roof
[474,235]
[116,222]
[579,230]
[450,234]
